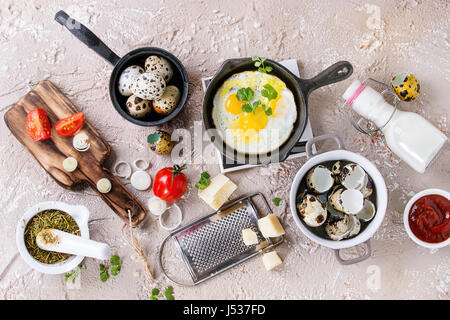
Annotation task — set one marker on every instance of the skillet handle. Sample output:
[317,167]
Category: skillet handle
[87,37]
[312,141]
[337,72]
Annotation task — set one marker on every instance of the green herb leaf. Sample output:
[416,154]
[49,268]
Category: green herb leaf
[73,274]
[170,297]
[255,58]
[268,68]
[247,108]
[115,270]
[154,298]
[259,63]
[262,69]
[256,103]
[277,201]
[153,137]
[102,267]
[245,94]
[204,181]
[269,92]
[104,276]
[169,290]
[268,111]
[115,260]
[155,291]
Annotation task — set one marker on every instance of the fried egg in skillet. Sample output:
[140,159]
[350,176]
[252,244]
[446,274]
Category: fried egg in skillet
[254,132]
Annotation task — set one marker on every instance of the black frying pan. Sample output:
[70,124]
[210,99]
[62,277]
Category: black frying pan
[135,57]
[300,88]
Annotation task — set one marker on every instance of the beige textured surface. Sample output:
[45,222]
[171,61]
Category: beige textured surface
[412,36]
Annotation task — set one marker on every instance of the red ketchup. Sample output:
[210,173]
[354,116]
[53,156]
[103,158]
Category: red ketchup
[429,218]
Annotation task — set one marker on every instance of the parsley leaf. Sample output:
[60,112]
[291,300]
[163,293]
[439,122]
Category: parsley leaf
[269,92]
[104,274]
[73,274]
[277,201]
[204,181]
[245,94]
[155,291]
[115,270]
[168,293]
[259,63]
[247,108]
[115,260]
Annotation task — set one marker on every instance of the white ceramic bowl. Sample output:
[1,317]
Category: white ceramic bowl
[380,189]
[406,214]
[80,215]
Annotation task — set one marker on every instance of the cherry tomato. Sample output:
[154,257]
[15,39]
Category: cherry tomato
[37,125]
[170,183]
[70,125]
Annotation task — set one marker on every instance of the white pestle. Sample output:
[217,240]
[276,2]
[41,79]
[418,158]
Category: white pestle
[63,242]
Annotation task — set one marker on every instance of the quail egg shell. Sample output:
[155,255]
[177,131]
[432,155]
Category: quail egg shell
[127,77]
[338,229]
[349,201]
[368,189]
[319,179]
[355,227]
[353,176]
[159,65]
[168,101]
[368,211]
[312,211]
[148,86]
[137,107]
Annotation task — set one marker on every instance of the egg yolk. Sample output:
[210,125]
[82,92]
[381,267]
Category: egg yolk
[253,121]
[273,104]
[233,105]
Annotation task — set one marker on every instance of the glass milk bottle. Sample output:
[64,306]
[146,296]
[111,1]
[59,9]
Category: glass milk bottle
[411,137]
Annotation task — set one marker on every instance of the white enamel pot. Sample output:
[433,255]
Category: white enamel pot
[381,197]
[79,213]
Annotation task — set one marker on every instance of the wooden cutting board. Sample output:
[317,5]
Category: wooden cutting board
[51,152]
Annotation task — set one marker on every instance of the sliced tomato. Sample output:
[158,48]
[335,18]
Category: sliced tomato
[37,125]
[70,125]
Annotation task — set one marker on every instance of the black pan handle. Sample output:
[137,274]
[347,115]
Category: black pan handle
[87,37]
[337,72]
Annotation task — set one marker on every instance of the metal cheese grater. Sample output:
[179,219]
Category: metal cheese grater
[213,244]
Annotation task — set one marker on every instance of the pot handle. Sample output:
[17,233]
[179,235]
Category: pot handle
[337,72]
[312,141]
[366,255]
[87,37]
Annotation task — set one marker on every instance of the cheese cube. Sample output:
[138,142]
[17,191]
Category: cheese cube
[218,192]
[271,260]
[249,237]
[270,226]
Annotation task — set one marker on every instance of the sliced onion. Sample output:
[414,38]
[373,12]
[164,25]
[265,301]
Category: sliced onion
[70,164]
[104,185]
[141,180]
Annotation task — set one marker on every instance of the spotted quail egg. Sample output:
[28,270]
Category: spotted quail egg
[159,65]
[137,107]
[148,86]
[338,229]
[349,201]
[168,101]
[312,210]
[160,142]
[406,86]
[127,77]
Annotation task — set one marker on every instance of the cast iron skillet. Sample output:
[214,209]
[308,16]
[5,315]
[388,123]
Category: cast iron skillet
[135,57]
[300,88]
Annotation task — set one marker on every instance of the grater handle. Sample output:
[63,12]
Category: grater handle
[164,270]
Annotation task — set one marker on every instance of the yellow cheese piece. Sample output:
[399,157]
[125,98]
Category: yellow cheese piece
[249,237]
[218,192]
[270,226]
[271,260]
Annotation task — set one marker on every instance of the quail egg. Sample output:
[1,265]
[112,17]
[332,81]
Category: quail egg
[159,65]
[312,211]
[168,101]
[137,107]
[406,86]
[355,226]
[148,86]
[160,142]
[319,179]
[127,77]
[353,176]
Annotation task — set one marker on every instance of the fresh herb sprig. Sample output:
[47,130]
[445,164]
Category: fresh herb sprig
[116,265]
[277,201]
[168,294]
[72,275]
[246,94]
[204,181]
[259,63]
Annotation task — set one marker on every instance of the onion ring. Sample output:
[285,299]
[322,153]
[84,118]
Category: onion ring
[127,176]
[146,164]
[180,214]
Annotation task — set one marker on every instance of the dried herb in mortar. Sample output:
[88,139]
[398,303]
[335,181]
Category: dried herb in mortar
[48,219]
